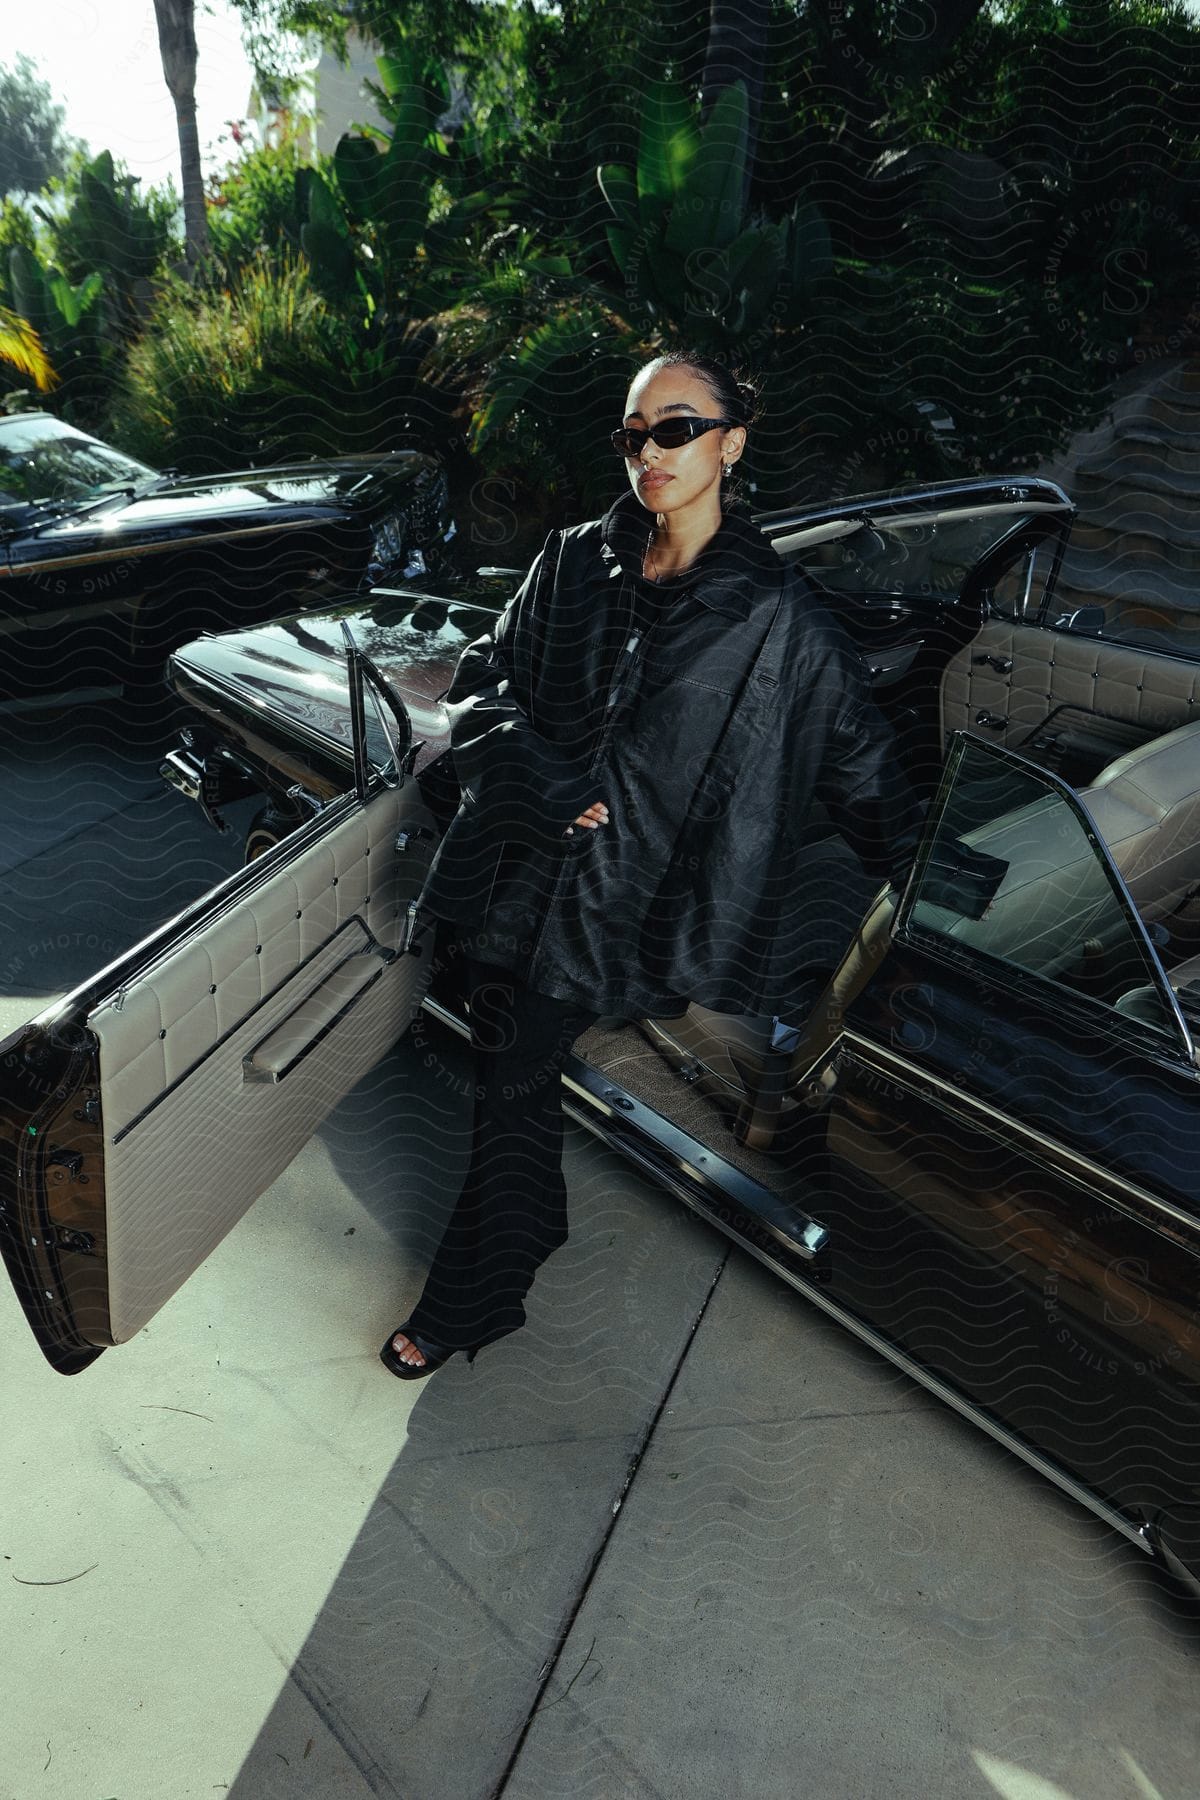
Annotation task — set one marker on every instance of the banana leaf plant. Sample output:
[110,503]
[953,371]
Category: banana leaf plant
[66,318]
[363,225]
[693,260]
[109,228]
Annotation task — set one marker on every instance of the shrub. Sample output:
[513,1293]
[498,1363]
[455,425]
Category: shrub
[260,370]
[252,205]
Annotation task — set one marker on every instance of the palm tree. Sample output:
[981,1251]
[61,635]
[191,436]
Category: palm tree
[22,349]
[177,47]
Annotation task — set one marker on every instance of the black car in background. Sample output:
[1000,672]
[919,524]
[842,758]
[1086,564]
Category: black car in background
[106,565]
[978,1149]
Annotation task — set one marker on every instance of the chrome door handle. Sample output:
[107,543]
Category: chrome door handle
[993,721]
[1001,664]
[412,835]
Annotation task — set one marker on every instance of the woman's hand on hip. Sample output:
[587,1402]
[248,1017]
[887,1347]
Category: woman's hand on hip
[593,816]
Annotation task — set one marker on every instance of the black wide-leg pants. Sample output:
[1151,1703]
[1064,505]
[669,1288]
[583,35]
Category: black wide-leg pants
[512,1212]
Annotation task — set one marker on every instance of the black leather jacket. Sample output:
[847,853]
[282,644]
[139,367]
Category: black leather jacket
[718,735]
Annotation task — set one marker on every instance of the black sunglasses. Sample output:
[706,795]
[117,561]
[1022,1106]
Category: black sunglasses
[668,434]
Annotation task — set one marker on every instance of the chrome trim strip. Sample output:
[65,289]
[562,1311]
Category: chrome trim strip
[685,1188]
[444,1016]
[699,1175]
[851,519]
[1135,1202]
[251,1072]
[1002,492]
[128,552]
[689,1168]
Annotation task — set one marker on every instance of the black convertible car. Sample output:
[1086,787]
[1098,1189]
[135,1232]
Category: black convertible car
[106,565]
[980,1150]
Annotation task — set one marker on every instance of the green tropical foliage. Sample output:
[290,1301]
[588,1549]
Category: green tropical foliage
[935,233]
[547,407]
[17,226]
[261,370]
[65,315]
[79,265]
[253,206]
[682,238]
[21,350]
[922,238]
[100,222]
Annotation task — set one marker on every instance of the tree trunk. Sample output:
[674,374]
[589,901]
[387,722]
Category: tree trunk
[177,47]
[737,49]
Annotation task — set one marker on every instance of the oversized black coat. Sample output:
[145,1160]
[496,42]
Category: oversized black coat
[729,727]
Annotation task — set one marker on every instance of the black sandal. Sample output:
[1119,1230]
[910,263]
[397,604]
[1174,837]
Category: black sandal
[435,1355]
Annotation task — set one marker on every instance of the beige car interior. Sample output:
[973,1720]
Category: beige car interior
[1138,712]
[1020,676]
[1055,895]
[218,1062]
[1146,807]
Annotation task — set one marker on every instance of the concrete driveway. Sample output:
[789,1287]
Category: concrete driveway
[681,1537]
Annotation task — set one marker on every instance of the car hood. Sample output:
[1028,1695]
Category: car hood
[296,666]
[310,489]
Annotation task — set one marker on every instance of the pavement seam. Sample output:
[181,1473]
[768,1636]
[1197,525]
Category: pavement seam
[550,1666]
[213,1549]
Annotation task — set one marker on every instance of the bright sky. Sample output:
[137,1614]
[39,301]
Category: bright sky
[101,60]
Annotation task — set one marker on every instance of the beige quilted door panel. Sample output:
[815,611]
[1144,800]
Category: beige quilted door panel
[1003,673]
[1020,674]
[222,1058]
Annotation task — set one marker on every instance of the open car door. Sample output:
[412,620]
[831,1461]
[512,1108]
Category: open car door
[143,1113]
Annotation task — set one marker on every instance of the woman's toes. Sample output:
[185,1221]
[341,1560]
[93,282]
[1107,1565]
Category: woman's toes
[406,1351]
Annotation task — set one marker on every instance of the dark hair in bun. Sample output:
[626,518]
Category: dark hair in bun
[734,395]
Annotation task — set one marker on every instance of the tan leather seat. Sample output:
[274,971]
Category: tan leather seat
[1146,806]
[1143,1002]
[1054,896]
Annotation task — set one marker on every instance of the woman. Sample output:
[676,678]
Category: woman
[643,744]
